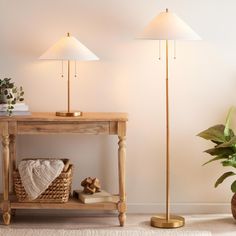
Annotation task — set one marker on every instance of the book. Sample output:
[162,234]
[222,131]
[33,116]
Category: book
[15,113]
[102,196]
[17,107]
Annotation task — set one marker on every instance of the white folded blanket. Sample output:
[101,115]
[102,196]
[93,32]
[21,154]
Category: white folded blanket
[37,175]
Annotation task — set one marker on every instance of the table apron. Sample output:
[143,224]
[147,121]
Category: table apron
[35,127]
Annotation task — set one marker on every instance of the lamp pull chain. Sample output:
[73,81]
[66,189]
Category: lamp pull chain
[75,69]
[159,52]
[174,49]
[62,69]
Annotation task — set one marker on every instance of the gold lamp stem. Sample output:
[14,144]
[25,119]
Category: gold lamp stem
[68,88]
[167,220]
[68,85]
[68,113]
[167,138]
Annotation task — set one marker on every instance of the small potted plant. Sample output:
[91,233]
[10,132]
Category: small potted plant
[10,94]
[224,150]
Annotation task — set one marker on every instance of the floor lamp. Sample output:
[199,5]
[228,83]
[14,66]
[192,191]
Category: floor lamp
[168,26]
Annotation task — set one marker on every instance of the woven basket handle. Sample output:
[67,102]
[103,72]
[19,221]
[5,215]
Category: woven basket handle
[66,164]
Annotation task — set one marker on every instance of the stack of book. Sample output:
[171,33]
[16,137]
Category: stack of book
[98,197]
[20,109]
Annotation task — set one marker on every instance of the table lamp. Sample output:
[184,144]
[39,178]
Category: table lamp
[168,26]
[68,49]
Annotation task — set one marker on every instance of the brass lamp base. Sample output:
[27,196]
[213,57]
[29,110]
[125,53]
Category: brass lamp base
[69,114]
[161,222]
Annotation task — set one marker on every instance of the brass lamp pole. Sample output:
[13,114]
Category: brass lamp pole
[167,138]
[167,26]
[167,220]
[68,89]
[68,112]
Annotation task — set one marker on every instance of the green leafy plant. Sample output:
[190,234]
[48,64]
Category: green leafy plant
[224,149]
[10,94]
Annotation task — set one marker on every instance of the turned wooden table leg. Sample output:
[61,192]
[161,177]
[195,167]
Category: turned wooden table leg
[121,168]
[6,212]
[6,209]
[12,152]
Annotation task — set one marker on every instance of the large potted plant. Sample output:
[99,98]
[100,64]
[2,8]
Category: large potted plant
[10,94]
[224,150]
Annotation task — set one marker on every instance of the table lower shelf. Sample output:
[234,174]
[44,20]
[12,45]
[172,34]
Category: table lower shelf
[73,203]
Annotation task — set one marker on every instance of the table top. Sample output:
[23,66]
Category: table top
[86,116]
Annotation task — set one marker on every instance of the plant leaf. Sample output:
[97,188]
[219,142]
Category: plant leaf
[230,162]
[228,122]
[216,158]
[230,143]
[220,151]
[214,133]
[223,177]
[217,143]
[233,187]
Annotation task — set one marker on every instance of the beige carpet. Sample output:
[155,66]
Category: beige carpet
[99,232]
[67,224]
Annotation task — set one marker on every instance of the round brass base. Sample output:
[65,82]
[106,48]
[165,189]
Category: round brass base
[161,222]
[69,114]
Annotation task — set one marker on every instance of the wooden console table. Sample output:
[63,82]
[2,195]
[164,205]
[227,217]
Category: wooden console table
[48,123]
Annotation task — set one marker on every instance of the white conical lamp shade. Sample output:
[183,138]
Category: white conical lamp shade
[69,48]
[168,26]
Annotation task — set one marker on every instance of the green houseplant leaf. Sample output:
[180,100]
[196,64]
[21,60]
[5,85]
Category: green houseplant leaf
[233,187]
[223,177]
[220,151]
[214,133]
[227,131]
[230,161]
[230,143]
[225,147]
[216,159]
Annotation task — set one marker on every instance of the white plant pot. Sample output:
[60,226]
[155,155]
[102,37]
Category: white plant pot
[4,97]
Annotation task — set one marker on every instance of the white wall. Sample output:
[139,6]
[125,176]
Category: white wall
[129,78]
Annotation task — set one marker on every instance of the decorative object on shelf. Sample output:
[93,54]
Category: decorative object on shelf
[69,49]
[10,94]
[20,109]
[97,197]
[36,175]
[57,192]
[168,26]
[19,106]
[224,150]
[91,185]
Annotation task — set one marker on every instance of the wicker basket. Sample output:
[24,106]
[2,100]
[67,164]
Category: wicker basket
[58,191]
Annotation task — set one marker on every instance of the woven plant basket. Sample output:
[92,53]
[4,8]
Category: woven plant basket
[58,191]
